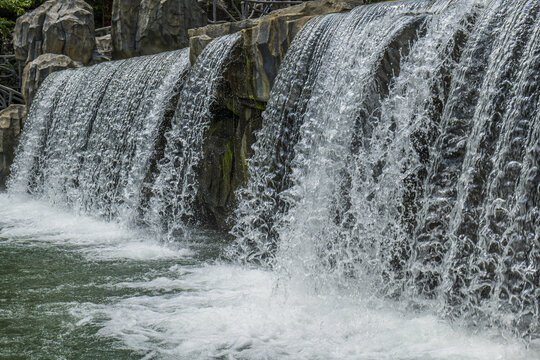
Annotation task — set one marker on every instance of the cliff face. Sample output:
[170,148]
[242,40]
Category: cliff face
[144,27]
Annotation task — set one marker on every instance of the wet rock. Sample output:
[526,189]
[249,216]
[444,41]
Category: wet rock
[57,27]
[37,71]
[242,98]
[143,27]
[11,122]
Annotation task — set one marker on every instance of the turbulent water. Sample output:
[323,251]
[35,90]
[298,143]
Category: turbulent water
[90,134]
[175,188]
[412,173]
[72,287]
[392,210]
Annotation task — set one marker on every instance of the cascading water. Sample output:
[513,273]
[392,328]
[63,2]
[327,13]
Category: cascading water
[91,133]
[398,160]
[410,174]
[175,188]
[331,54]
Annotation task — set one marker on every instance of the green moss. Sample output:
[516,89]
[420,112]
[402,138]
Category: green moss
[260,105]
[217,126]
[226,166]
[244,163]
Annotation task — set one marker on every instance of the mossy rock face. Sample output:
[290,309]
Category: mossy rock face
[227,146]
[11,123]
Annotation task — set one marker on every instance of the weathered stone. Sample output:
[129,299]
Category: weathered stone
[103,48]
[224,169]
[196,45]
[57,27]
[37,71]
[218,30]
[266,45]
[143,27]
[11,122]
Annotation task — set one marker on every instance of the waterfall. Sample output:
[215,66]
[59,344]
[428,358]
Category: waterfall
[175,187]
[90,135]
[398,157]
[407,173]
[326,69]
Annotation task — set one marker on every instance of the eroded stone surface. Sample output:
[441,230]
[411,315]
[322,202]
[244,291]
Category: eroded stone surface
[37,71]
[11,122]
[57,27]
[144,27]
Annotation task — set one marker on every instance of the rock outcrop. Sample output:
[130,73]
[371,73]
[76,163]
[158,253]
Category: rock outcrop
[11,122]
[37,71]
[58,27]
[144,27]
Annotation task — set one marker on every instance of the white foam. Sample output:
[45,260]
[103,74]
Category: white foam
[226,311]
[231,312]
[36,222]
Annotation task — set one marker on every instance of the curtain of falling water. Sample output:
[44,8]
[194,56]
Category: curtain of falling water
[175,187]
[419,180]
[90,133]
[324,71]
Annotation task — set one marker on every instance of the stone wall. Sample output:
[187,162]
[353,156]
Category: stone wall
[11,122]
[144,27]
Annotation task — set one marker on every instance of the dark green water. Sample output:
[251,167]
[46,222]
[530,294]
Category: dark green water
[75,288]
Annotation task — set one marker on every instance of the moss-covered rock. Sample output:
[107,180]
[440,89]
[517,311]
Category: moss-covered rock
[11,122]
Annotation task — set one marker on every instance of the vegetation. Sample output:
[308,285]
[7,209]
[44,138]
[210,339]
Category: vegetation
[11,9]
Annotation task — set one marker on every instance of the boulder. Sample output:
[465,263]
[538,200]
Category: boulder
[58,27]
[144,27]
[11,122]
[37,71]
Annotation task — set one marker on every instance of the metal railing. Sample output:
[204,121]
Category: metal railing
[248,9]
[10,81]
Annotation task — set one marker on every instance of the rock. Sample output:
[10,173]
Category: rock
[35,72]
[227,147]
[56,27]
[103,48]
[11,122]
[143,27]
[266,45]
[200,37]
